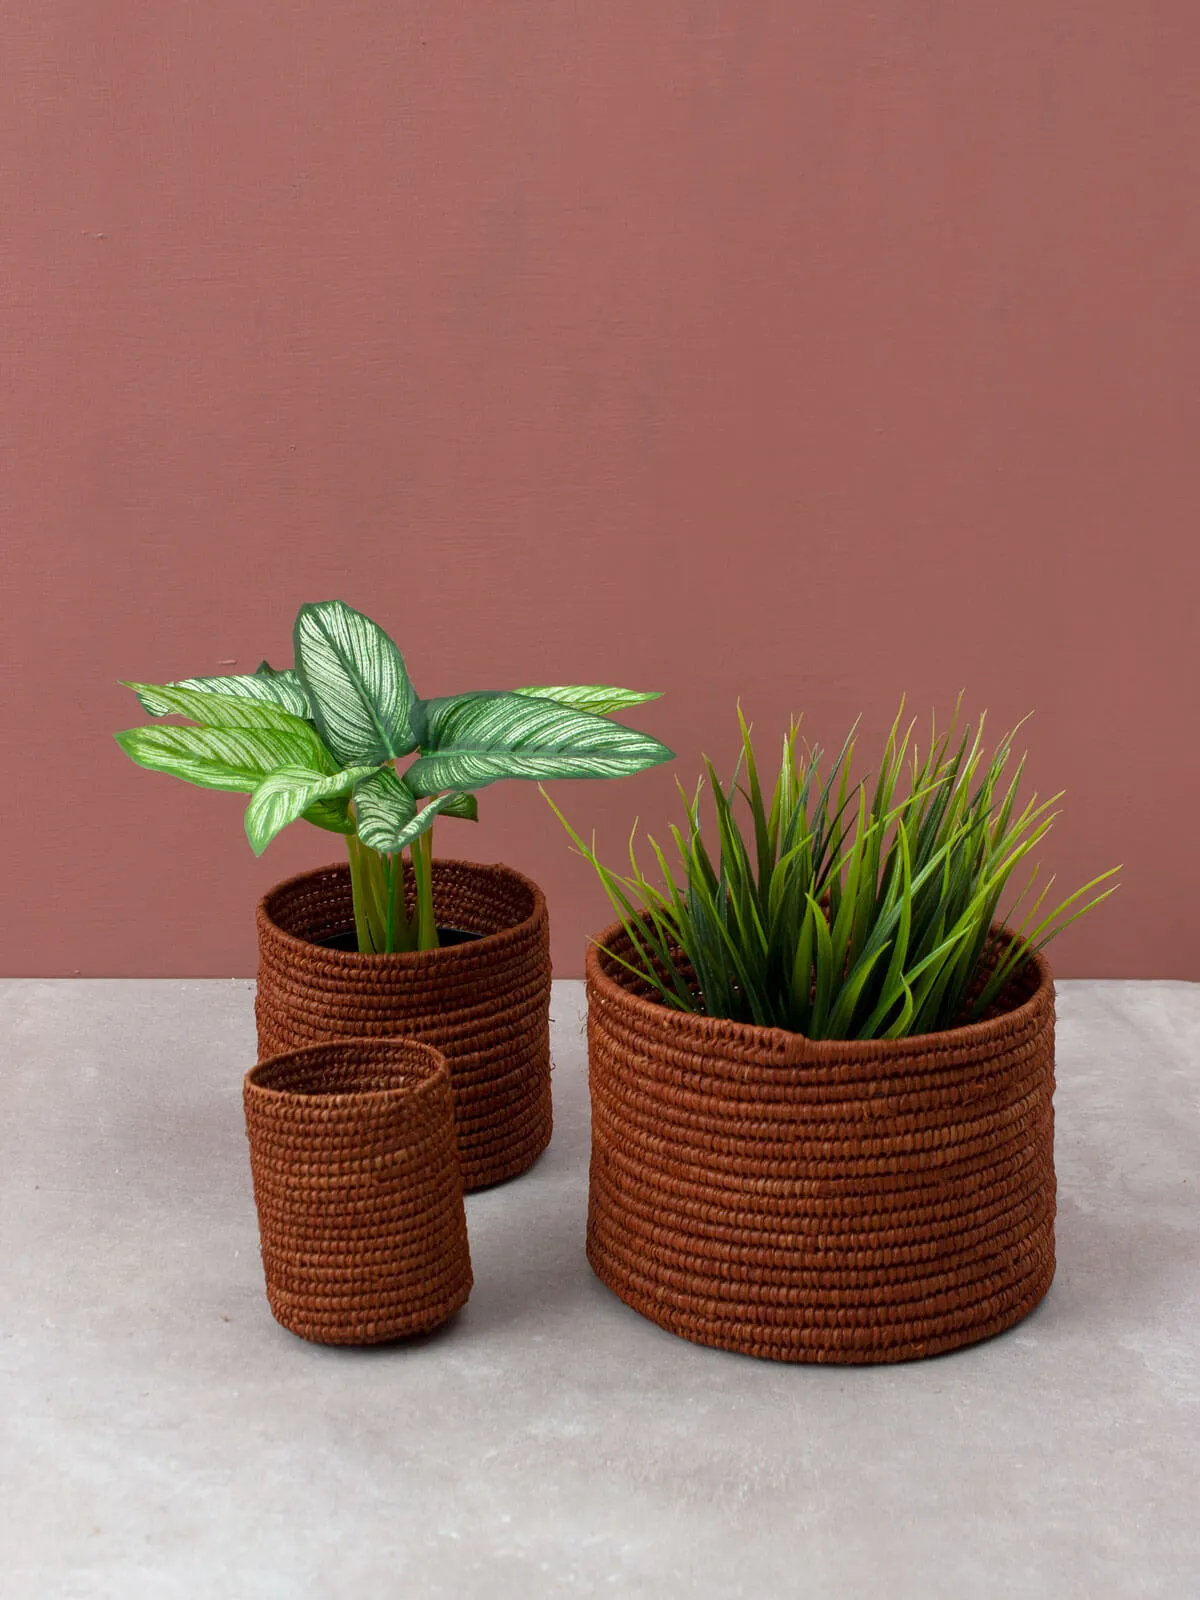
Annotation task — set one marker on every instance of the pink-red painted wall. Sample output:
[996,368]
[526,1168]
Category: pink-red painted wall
[807,352]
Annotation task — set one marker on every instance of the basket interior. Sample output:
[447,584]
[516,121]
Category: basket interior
[478,899]
[1020,988]
[358,1067]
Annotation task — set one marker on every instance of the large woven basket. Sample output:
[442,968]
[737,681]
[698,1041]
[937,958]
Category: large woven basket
[358,1189]
[817,1200]
[484,1004]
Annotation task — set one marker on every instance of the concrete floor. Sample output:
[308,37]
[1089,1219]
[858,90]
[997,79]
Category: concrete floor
[161,1437]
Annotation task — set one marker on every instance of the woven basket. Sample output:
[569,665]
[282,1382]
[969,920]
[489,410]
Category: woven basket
[818,1200]
[484,1004]
[358,1189]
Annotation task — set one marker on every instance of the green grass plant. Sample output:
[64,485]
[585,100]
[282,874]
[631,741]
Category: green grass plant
[841,909]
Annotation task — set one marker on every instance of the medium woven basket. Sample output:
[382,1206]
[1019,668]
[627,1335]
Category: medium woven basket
[811,1200]
[484,1004]
[358,1189]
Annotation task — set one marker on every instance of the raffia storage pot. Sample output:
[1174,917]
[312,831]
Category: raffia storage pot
[485,1004]
[811,1200]
[358,1190]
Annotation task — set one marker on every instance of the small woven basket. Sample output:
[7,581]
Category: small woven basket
[484,1004]
[811,1200]
[358,1190]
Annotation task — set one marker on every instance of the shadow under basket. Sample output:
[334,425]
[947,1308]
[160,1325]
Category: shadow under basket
[358,1190]
[820,1200]
[485,1004]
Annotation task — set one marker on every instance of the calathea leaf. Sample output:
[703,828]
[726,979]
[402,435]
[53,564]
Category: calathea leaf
[599,698]
[446,805]
[281,688]
[361,700]
[461,805]
[217,758]
[214,709]
[388,819]
[284,795]
[286,682]
[475,739]
[383,807]
[332,815]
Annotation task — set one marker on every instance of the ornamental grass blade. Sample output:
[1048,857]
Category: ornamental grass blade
[363,704]
[737,876]
[218,758]
[642,928]
[802,974]
[937,1010]
[712,909]
[697,854]
[787,793]
[716,975]
[847,912]
[1046,930]
[924,977]
[842,1015]
[826,976]
[900,1026]
[899,955]
[758,812]
[472,740]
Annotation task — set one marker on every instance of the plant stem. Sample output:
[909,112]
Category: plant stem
[358,889]
[389,878]
[371,893]
[404,931]
[378,880]
[381,918]
[421,851]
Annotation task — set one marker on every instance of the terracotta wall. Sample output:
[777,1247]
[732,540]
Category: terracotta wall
[803,352]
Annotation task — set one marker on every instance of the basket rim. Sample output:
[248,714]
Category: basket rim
[404,960]
[410,1053]
[798,1047]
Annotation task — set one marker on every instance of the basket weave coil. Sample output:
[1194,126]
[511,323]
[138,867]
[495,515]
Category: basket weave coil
[484,1004]
[807,1200]
[358,1190]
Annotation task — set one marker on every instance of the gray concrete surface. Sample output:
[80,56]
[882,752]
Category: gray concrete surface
[161,1437]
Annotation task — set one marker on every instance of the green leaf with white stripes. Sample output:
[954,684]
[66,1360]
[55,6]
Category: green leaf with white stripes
[286,794]
[388,819]
[215,709]
[472,740]
[280,688]
[332,815]
[217,758]
[264,669]
[360,696]
[462,805]
[383,807]
[600,699]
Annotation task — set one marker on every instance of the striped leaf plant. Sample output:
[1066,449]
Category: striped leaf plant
[321,742]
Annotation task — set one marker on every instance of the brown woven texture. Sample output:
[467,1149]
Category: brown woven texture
[818,1200]
[485,1005]
[358,1189]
